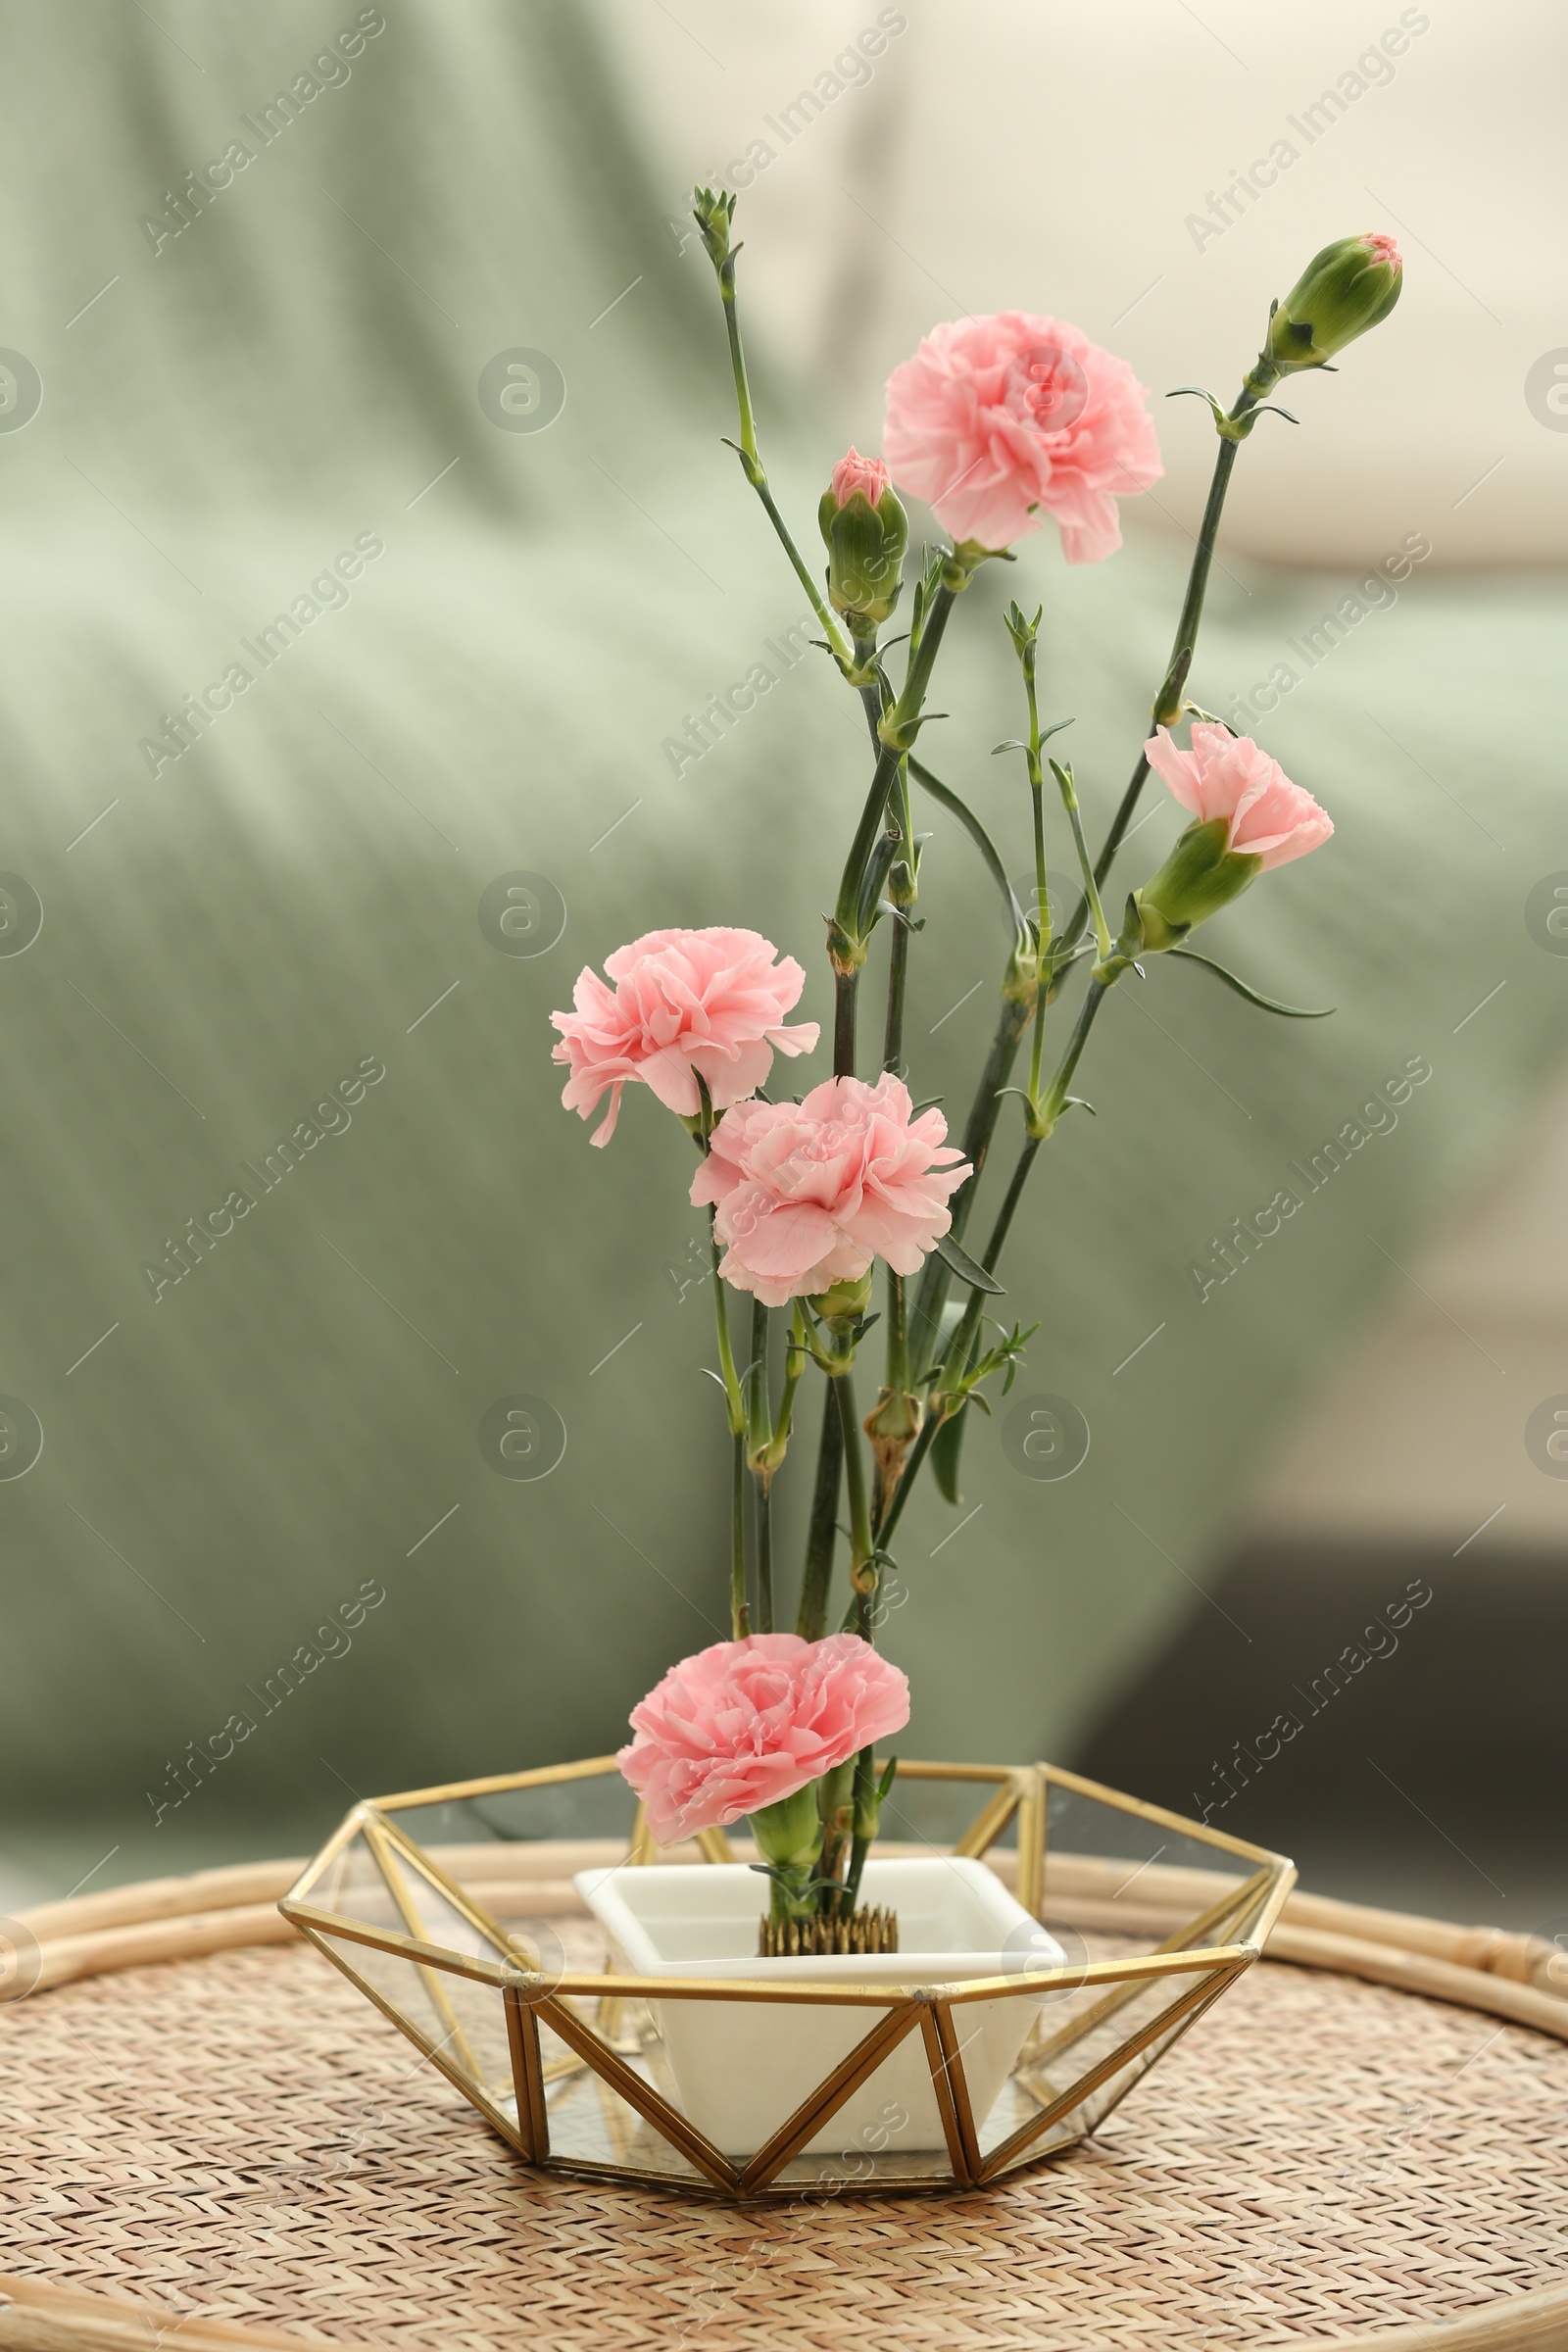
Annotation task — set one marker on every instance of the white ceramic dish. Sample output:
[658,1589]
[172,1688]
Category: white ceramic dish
[741,2068]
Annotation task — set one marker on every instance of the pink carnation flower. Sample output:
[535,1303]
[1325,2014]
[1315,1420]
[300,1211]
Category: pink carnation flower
[684,1001]
[808,1194]
[746,1723]
[1228,776]
[996,422]
[854,473]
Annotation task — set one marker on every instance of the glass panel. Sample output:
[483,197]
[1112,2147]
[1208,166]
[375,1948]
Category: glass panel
[599,1806]
[465,2022]
[1126,1884]
[411,1991]
[438,1919]
[1071,2040]
[742,2068]
[494,1848]
[888,2130]
[923,1813]
[590,2121]
[479,2044]
[738,2071]
[353,1886]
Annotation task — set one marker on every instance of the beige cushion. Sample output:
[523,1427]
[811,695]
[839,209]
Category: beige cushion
[1013,154]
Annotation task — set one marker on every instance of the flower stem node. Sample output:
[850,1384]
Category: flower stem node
[845,953]
[1346,289]
[865,531]
[869,1794]
[789,1836]
[963,560]
[893,1425]
[1021,981]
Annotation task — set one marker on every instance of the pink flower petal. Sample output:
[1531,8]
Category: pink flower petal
[683,1003]
[806,1194]
[1230,776]
[746,1723]
[999,422]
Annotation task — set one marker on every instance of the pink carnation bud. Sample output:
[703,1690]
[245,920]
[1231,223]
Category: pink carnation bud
[806,1194]
[747,1724]
[854,473]
[996,422]
[684,1004]
[1227,775]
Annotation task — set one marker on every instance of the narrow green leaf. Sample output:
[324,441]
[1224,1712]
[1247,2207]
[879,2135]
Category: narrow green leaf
[977,833]
[959,1262]
[946,1449]
[1290,1012]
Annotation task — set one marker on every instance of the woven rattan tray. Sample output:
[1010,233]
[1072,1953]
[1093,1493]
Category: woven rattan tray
[210,2140]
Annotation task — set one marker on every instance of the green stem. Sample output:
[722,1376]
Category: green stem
[871,693]
[898,978]
[860,1843]
[1168,705]
[764,1555]
[757,474]
[847,965]
[902,892]
[863,1570]
[740,1616]
[759,1434]
[846,1001]
[1037,794]
[759,1403]
[1097,912]
[910,1472]
[962,1340]
[936,1280]
[896,731]
[898,1332]
[795,1356]
[822,1535]
[735,1403]
[835,1802]
[1051,1109]
[960,1347]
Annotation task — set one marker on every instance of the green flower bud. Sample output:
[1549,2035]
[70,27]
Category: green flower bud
[1199,877]
[713,212]
[845,1304]
[865,532]
[1348,287]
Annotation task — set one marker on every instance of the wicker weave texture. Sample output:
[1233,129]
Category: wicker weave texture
[242,2138]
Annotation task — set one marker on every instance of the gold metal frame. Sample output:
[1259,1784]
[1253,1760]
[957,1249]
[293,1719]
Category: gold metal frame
[1207,1950]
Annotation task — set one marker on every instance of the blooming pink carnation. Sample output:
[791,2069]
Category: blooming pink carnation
[808,1193]
[996,422]
[854,473]
[1227,775]
[746,1723]
[684,1001]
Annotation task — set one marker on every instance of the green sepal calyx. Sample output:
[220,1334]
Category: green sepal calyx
[1348,287]
[1200,876]
[865,546]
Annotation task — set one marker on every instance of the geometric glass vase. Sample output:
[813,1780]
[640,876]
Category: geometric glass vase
[454,1910]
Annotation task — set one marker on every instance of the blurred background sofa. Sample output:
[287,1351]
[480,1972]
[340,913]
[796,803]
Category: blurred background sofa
[268,1491]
